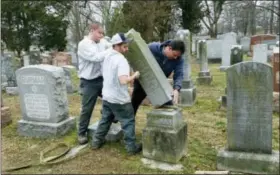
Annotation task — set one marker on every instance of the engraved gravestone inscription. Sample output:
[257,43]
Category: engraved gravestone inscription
[43,96]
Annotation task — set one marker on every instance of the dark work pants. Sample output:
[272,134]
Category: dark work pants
[90,90]
[138,95]
[124,114]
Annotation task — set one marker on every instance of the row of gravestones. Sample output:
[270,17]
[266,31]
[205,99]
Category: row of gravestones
[218,48]
[45,113]
[9,65]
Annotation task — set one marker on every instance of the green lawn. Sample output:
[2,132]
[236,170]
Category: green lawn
[206,135]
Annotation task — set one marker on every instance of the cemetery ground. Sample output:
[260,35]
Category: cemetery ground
[206,122]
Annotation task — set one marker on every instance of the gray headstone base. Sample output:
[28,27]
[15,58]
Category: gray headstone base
[204,78]
[12,90]
[45,130]
[163,144]
[244,162]
[152,164]
[187,97]
[115,133]
[223,68]
[186,84]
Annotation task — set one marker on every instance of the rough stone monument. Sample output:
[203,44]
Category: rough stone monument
[188,91]
[249,120]
[152,78]
[260,53]
[115,133]
[165,136]
[43,101]
[229,39]
[70,74]
[236,54]
[5,115]
[204,76]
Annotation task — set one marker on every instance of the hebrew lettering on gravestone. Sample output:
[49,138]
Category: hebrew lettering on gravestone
[43,102]
[152,78]
[42,97]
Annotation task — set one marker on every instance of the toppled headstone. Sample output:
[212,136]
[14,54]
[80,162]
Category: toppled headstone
[114,134]
[152,78]
[249,120]
[43,101]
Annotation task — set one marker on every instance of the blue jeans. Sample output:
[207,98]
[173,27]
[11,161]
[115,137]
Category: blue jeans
[90,90]
[123,113]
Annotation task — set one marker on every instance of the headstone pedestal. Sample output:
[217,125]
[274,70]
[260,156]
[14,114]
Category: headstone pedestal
[249,121]
[204,76]
[165,136]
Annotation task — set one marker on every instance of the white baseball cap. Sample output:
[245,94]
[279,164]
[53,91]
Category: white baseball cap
[119,38]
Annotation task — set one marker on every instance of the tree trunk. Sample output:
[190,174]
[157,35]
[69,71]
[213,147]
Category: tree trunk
[271,19]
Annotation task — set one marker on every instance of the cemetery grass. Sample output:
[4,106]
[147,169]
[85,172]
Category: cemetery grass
[206,122]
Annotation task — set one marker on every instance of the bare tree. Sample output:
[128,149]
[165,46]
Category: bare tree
[212,11]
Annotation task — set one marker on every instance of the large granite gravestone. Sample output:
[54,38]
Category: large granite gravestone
[188,91]
[236,54]
[249,120]
[229,39]
[43,101]
[165,136]
[260,53]
[214,49]
[70,74]
[204,76]
[114,134]
[152,78]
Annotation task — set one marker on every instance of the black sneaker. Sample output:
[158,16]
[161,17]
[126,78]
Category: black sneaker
[137,149]
[97,145]
[82,139]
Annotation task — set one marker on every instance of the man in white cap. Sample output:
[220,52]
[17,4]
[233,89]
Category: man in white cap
[115,95]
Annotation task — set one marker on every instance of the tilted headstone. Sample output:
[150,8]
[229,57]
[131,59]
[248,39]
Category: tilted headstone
[214,49]
[260,53]
[188,91]
[70,75]
[43,101]
[236,54]
[229,39]
[114,134]
[249,120]
[165,136]
[152,78]
[204,76]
